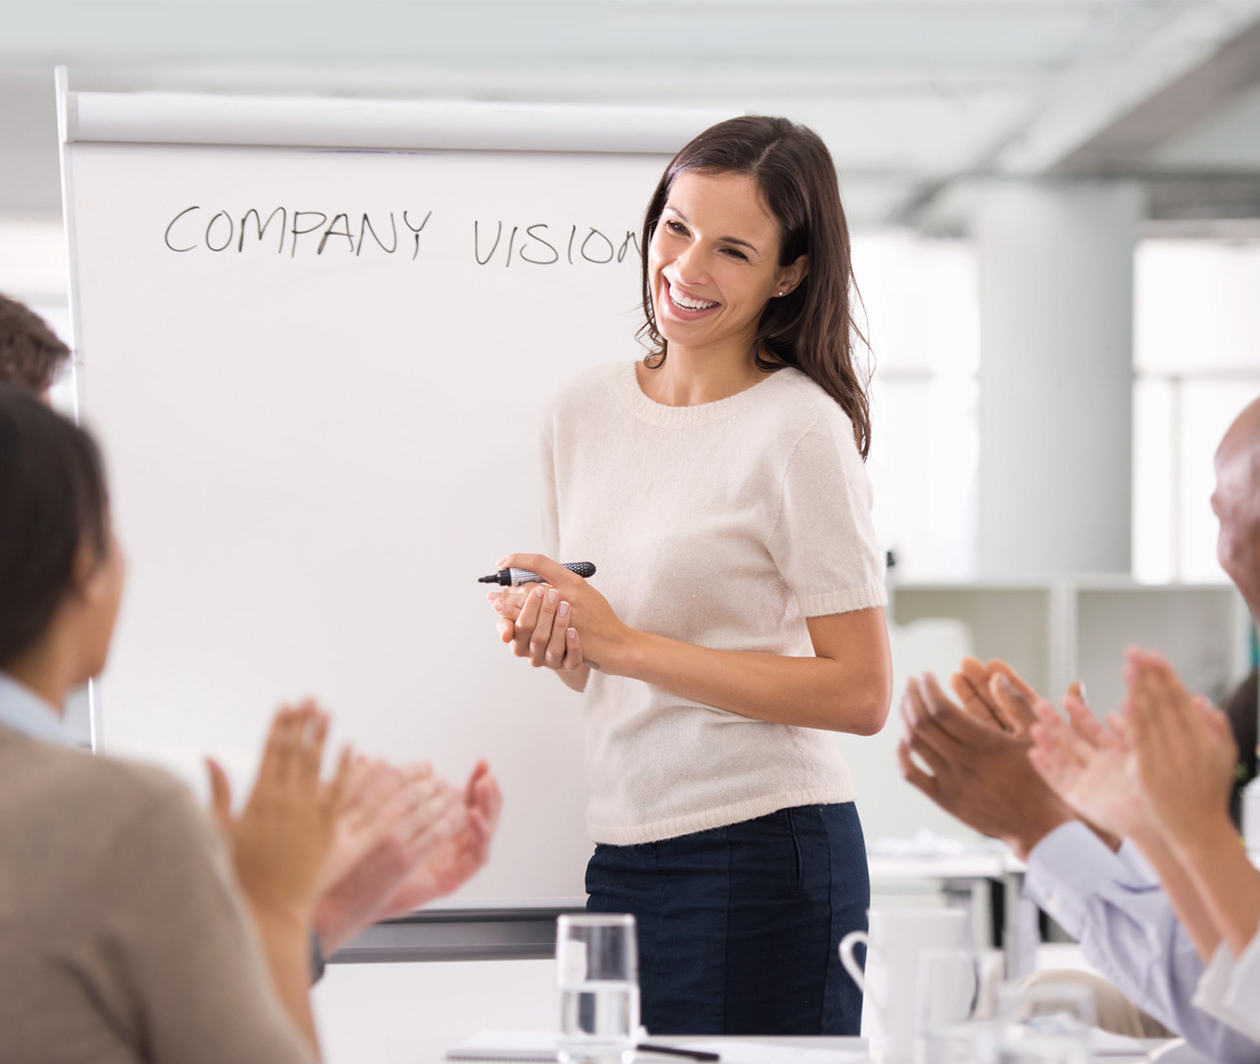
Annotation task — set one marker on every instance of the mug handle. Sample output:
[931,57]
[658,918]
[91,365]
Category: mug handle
[850,963]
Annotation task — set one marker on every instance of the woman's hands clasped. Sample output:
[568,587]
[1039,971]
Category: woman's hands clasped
[538,625]
[563,624]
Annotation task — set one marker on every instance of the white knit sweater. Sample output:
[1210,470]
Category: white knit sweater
[724,524]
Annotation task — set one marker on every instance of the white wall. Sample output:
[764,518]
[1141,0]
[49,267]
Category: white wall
[412,1013]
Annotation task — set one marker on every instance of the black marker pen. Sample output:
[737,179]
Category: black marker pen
[516,577]
[674,1051]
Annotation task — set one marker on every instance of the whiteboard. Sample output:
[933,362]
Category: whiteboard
[318,437]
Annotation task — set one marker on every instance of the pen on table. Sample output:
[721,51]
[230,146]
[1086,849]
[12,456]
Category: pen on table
[516,577]
[675,1051]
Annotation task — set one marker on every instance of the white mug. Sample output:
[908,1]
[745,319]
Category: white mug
[896,939]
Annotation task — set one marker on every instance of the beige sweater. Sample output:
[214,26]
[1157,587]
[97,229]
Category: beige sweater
[726,525]
[122,936]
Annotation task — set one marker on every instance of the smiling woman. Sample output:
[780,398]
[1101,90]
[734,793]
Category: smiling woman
[719,485]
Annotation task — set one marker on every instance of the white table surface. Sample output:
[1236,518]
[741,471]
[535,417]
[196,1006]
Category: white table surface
[845,1047]
[851,1045]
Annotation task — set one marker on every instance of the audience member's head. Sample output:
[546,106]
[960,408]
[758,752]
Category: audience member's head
[30,353]
[59,565]
[1236,501]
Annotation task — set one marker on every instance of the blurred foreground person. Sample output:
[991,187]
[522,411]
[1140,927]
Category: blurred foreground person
[124,935]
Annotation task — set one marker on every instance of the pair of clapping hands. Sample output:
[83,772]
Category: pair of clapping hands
[373,841]
[1160,767]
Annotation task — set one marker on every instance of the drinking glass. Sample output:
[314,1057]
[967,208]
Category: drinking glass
[597,971]
[1047,1023]
[955,1006]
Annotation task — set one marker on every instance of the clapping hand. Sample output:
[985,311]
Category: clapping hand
[975,770]
[995,694]
[391,819]
[281,838]
[1087,764]
[1184,751]
[451,863]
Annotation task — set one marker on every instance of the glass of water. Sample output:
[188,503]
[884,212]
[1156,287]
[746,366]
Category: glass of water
[1047,1023]
[597,971]
[956,1005]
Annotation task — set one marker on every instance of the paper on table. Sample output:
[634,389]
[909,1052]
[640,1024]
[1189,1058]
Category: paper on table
[1107,1044]
[506,1045]
[536,1046]
[737,1051]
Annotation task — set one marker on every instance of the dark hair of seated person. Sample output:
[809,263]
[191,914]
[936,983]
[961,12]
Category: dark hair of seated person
[52,504]
[1242,709]
[31,354]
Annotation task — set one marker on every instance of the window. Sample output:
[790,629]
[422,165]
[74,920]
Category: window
[922,313]
[1196,365]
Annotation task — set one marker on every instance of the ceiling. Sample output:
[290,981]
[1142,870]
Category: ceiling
[917,99]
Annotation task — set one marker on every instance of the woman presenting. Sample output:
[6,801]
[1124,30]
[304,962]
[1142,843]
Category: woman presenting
[719,486]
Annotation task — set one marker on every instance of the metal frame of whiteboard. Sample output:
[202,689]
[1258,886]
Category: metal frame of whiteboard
[401,125]
[525,932]
[61,88]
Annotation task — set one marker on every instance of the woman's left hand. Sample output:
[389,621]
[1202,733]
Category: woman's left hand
[601,632]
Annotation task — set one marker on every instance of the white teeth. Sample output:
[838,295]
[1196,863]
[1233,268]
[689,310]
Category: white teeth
[688,304]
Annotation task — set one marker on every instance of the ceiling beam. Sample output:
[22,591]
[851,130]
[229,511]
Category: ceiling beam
[1196,95]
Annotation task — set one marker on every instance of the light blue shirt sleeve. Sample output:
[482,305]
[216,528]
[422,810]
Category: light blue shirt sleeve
[1127,929]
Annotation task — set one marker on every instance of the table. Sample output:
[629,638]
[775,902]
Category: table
[842,1050]
[966,876]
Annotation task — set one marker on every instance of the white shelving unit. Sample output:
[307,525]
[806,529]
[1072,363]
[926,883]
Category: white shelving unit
[1062,629]
[1053,631]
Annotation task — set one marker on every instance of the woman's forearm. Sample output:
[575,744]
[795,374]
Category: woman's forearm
[286,949]
[847,695]
[1226,880]
[1187,901]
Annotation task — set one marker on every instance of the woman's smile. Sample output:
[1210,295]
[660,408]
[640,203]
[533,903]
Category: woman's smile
[685,305]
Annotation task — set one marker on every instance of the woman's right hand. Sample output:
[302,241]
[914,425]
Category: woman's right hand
[536,622]
[282,837]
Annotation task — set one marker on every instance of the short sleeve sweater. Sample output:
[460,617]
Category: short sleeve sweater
[724,524]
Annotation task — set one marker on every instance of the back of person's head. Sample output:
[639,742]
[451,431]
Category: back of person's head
[1236,502]
[1243,710]
[30,353]
[53,514]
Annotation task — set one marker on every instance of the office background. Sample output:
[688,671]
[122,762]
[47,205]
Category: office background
[1056,215]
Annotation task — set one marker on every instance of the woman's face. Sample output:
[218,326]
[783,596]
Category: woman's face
[713,263]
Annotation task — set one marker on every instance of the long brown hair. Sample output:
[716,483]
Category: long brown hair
[812,327]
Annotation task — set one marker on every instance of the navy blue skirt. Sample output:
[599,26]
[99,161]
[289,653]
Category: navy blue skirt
[738,926]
